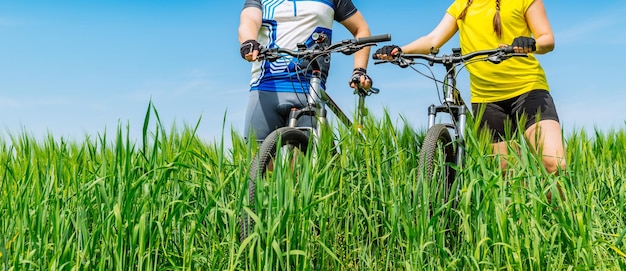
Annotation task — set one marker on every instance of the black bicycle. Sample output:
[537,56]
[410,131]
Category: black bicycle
[443,148]
[288,144]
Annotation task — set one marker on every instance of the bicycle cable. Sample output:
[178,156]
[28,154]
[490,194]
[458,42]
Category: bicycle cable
[460,67]
[431,77]
[301,77]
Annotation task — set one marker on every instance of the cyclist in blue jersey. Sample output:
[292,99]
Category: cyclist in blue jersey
[284,24]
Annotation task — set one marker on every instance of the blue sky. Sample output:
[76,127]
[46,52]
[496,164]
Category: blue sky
[73,69]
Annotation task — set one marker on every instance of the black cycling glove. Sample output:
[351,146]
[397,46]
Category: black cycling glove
[525,42]
[388,49]
[356,76]
[248,47]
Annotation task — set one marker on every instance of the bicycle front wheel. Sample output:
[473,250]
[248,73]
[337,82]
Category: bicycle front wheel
[436,169]
[286,143]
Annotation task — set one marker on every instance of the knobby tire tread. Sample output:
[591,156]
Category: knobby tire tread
[437,140]
[285,136]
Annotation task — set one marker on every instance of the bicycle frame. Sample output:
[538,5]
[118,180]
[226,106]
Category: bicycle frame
[317,97]
[317,101]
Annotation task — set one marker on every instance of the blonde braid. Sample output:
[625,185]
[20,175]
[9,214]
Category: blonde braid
[462,15]
[497,22]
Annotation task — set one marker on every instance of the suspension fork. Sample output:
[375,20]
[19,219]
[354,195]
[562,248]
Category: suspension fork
[455,108]
[461,120]
[458,113]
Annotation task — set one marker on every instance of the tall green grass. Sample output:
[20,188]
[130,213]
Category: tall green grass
[173,202]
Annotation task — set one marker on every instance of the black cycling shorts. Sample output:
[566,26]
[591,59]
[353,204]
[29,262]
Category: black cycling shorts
[529,107]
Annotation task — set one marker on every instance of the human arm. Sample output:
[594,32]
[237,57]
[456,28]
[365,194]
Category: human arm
[537,21]
[357,25]
[249,24]
[435,39]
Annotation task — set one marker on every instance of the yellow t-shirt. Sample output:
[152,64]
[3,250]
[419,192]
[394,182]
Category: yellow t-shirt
[513,77]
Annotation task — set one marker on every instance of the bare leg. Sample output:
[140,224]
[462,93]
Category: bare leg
[547,139]
[501,151]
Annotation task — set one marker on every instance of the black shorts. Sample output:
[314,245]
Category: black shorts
[529,108]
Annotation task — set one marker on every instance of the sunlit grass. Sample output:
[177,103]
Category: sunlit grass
[173,202]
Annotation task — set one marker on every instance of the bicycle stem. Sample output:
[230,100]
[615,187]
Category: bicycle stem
[449,84]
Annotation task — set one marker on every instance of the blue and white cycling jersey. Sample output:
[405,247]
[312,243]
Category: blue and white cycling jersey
[285,24]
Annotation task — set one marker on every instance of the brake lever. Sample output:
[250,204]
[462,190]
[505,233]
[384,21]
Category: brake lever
[501,56]
[366,92]
[351,49]
[270,55]
[496,58]
[402,62]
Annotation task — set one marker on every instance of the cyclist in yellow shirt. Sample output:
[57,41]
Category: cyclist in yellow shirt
[514,88]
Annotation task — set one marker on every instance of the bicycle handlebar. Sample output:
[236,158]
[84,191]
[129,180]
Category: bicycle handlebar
[347,47]
[372,39]
[493,55]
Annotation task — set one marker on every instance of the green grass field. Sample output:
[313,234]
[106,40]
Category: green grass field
[173,202]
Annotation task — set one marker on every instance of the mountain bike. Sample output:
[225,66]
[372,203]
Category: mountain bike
[443,148]
[291,142]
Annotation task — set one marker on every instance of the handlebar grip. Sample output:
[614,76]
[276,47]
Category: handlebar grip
[375,57]
[377,38]
[508,49]
[397,54]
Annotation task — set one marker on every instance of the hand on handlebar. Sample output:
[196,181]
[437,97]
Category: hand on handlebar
[387,52]
[249,50]
[360,79]
[524,45]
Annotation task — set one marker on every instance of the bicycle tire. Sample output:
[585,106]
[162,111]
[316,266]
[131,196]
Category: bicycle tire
[436,165]
[286,137]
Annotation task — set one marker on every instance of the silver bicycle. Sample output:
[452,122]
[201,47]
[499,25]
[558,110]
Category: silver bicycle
[443,148]
[293,141]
